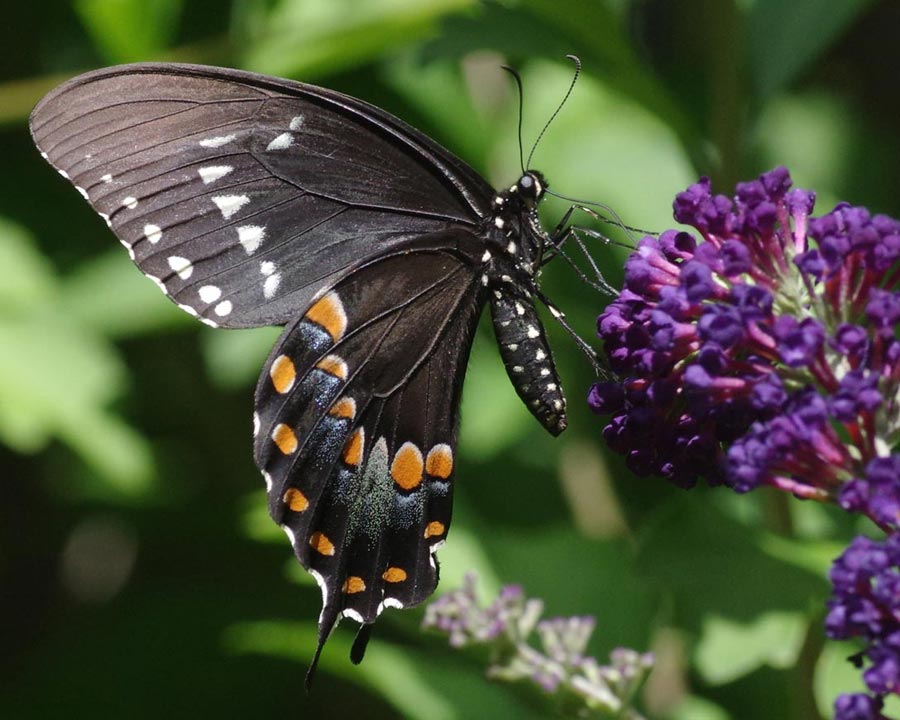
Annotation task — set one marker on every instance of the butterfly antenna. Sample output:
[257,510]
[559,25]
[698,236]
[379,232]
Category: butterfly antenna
[518,79]
[574,59]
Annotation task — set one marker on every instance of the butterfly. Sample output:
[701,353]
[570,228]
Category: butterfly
[250,201]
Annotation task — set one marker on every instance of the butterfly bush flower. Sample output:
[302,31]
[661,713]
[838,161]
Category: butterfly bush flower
[761,350]
[866,605]
[582,686]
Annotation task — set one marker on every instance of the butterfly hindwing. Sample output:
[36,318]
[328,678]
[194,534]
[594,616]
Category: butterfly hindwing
[356,424]
[242,195]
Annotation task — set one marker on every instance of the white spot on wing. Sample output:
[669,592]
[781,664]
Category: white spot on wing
[290,534]
[82,192]
[153,233]
[533,332]
[296,122]
[519,309]
[270,286]
[209,293]
[211,323]
[106,220]
[322,584]
[540,355]
[251,237]
[130,202]
[255,433]
[389,602]
[267,267]
[218,141]
[189,310]
[213,172]
[182,266]
[229,204]
[223,308]
[282,142]
[107,178]
[353,615]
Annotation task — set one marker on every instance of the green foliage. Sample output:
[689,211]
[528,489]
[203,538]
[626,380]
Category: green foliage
[114,403]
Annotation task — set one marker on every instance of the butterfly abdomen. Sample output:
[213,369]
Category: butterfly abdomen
[526,354]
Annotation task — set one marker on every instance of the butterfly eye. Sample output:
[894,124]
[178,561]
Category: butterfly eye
[530,186]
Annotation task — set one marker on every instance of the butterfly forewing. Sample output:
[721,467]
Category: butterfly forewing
[240,195]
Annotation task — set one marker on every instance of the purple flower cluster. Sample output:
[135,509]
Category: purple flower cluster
[764,353]
[560,667]
[865,604]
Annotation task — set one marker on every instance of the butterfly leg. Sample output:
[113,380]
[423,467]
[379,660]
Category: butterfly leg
[597,362]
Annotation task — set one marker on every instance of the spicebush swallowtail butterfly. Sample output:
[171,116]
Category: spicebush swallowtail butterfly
[250,201]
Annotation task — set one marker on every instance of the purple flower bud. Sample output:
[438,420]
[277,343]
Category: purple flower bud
[857,707]
[812,263]
[721,324]
[677,245]
[798,342]
[735,258]
[850,339]
[696,279]
[883,309]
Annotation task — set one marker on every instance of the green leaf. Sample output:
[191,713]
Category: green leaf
[110,296]
[418,686]
[711,564]
[130,30]
[57,376]
[728,650]
[785,38]
[303,38]
[234,358]
[27,280]
[694,707]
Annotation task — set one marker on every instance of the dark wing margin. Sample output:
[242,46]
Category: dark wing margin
[242,195]
[356,428]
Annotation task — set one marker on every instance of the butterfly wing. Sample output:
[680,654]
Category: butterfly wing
[242,195]
[356,425]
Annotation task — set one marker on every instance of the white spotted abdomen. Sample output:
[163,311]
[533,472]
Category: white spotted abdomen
[526,354]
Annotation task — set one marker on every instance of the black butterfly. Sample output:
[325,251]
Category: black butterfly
[253,201]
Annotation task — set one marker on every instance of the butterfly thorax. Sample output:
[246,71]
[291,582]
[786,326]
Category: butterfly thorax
[515,245]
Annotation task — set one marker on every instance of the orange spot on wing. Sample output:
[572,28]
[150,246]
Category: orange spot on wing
[394,575]
[343,408]
[283,373]
[434,528]
[328,312]
[353,450]
[406,469]
[354,584]
[284,438]
[333,365]
[296,500]
[439,462]
[321,544]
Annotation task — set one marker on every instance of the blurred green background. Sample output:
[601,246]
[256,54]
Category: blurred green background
[139,573]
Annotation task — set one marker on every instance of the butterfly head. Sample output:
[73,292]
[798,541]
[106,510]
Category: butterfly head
[531,187]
